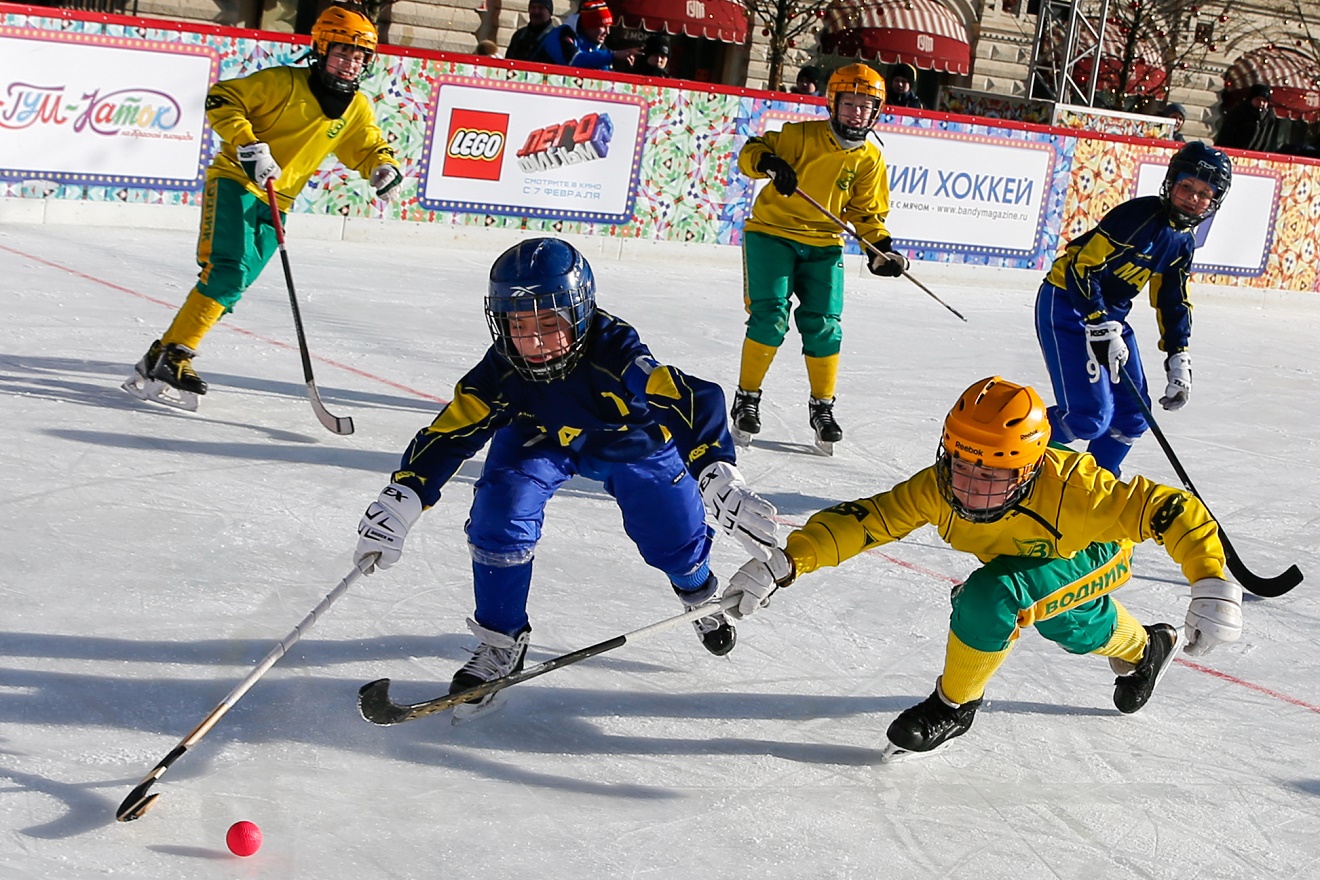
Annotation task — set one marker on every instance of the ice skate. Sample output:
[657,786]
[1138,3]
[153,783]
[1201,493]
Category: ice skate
[827,429]
[1135,684]
[745,417]
[928,725]
[498,655]
[165,375]
[716,633]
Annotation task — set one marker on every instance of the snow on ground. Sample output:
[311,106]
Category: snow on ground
[151,557]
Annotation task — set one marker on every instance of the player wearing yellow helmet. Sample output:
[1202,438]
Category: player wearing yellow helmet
[791,249]
[277,124]
[1054,533]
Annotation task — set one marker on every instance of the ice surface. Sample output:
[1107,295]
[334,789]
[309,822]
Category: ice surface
[151,557]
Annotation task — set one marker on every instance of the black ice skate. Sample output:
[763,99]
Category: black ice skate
[716,633]
[745,417]
[827,430]
[166,375]
[928,725]
[498,655]
[1134,685]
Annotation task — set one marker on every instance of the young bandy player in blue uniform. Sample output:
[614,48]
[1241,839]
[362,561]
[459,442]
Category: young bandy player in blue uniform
[1083,306]
[568,389]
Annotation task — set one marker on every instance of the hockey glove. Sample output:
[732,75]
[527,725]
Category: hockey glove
[384,526]
[1178,369]
[738,511]
[258,163]
[888,263]
[757,581]
[1107,350]
[781,174]
[1214,617]
[386,180]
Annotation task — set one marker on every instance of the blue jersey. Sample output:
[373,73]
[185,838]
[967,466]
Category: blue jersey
[618,404]
[564,45]
[1133,245]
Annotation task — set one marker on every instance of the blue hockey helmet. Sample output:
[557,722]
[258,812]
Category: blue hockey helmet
[1203,163]
[533,278]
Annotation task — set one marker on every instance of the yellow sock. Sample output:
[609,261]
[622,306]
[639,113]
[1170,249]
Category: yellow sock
[967,671]
[821,374]
[1128,641]
[196,316]
[756,360]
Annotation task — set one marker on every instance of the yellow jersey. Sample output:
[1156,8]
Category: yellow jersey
[276,107]
[1073,504]
[852,184]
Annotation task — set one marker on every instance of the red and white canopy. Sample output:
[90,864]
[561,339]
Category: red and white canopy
[1293,78]
[1147,72]
[724,20]
[922,33]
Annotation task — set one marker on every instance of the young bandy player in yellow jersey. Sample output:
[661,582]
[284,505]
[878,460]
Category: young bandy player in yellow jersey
[1054,532]
[792,249]
[276,124]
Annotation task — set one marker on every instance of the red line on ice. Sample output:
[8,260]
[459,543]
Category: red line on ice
[228,326]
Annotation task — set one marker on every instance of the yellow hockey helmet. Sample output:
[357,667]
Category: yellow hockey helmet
[997,433]
[349,26]
[855,79]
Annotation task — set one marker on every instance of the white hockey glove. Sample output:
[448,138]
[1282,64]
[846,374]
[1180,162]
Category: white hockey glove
[757,581]
[386,180]
[737,510]
[1214,617]
[1106,348]
[258,163]
[1178,369]
[384,526]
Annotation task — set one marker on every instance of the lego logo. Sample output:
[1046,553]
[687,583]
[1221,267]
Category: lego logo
[467,143]
[925,43]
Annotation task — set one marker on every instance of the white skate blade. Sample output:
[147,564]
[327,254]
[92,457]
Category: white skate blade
[741,438]
[157,391]
[825,447]
[896,755]
[465,712]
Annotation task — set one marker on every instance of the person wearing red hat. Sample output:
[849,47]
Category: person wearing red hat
[582,43]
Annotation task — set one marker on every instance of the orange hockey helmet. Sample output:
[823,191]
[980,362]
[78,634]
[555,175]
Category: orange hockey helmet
[855,79]
[994,438]
[349,26]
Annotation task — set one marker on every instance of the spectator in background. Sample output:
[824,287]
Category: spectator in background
[1178,114]
[583,44]
[901,80]
[1249,125]
[488,48]
[655,57]
[527,39]
[808,81]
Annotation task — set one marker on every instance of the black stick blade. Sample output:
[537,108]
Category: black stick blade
[1266,587]
[137,803]
[376,706]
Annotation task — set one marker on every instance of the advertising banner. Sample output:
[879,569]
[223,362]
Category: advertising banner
[532,151]
[1237,239]
[99,109]
[967,193]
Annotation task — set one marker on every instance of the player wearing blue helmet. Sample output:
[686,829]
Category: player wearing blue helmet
[1083,306]
[566,390]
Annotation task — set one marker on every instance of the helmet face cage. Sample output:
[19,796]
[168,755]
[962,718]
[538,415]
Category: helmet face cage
[534,279]
[861,80]
[338,25]
[1198,161]
[994,497]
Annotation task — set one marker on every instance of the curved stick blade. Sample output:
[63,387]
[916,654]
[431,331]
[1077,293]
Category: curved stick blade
[376,706]
[137,803]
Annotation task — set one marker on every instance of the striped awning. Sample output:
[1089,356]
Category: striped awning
[724,20]
[1293,78]
[1146,73]
[922,33]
